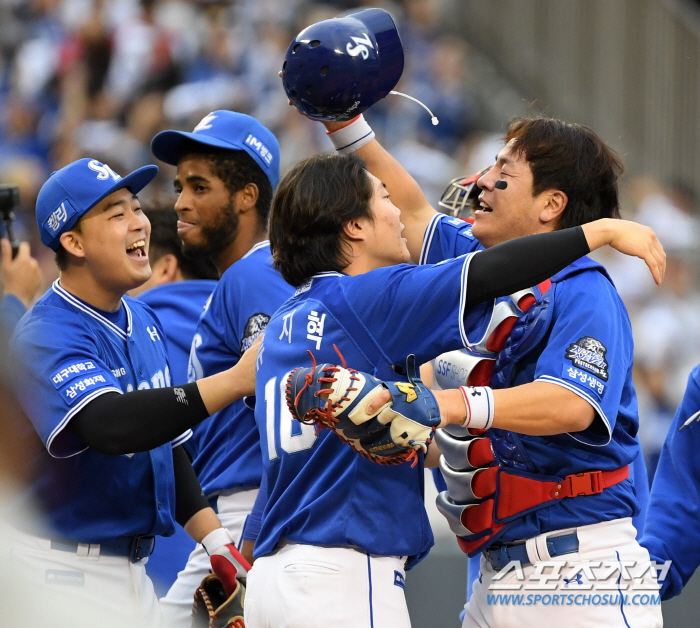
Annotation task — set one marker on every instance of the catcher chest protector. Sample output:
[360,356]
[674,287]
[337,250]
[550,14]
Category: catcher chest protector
[335,69]
[500,487]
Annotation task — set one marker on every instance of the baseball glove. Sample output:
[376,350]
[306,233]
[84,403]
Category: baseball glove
[336,398]
[212,609]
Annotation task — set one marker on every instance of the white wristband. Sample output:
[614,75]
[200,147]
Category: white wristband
[351,137]
[480,407]
[214,540]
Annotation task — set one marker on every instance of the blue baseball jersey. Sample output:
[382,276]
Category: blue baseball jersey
[321,492]
[65,354]
[588,350]
[227,445]
[178,306]
[672,530]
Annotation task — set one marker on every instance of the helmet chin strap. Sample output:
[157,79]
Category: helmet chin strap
[433,119]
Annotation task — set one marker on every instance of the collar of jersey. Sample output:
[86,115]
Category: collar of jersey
[329,273]
[257,247]
[84,307]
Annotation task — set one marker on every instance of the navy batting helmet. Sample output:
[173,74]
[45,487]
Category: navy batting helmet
[335,69]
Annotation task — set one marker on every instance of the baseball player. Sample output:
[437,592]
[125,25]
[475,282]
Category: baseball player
[177,292]
[671,530]
[92,375]
[460,198]
[337,527]
[564,356]
[227,169]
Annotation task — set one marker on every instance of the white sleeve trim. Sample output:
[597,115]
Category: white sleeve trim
[596,406]
[428,238]
[70,414]
[184,437]
[463,298]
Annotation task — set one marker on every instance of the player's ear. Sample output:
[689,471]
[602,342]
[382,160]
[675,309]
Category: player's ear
[247,198]
[355,230]
[166,268]
[73,243]
[555,202]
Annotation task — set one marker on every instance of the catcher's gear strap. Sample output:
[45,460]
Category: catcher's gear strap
[516,495]
[352,136]
[212,609]
[189,497]
[118,424]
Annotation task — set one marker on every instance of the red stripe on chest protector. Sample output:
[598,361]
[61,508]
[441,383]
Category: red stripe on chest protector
[481,373]
[497,340]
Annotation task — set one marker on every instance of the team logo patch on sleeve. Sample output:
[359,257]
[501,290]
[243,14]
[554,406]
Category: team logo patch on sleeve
[253,328]
[589,354]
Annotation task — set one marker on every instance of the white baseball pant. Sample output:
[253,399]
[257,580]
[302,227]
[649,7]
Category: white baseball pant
[308,586]
[79,589]
[609,563]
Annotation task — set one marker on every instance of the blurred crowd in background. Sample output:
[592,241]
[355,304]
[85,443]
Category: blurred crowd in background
[100,78]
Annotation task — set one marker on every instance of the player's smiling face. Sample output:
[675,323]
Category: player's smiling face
[513,212]
[385,243]
[113,242]
[207,218]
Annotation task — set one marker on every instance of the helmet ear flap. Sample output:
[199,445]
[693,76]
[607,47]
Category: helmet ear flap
[336,69]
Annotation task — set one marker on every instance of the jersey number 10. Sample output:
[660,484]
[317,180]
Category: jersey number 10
[293,435]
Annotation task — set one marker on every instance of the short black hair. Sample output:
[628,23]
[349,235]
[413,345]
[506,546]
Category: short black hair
[313,201]
[165,241]
[571,158]
[236,169]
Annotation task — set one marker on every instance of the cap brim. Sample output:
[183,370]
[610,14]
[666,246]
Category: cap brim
[171,146]
[135,181]
[138,179]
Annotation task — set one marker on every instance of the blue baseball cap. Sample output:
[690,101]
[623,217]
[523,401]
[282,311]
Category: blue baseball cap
[74,190]
[224,129]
